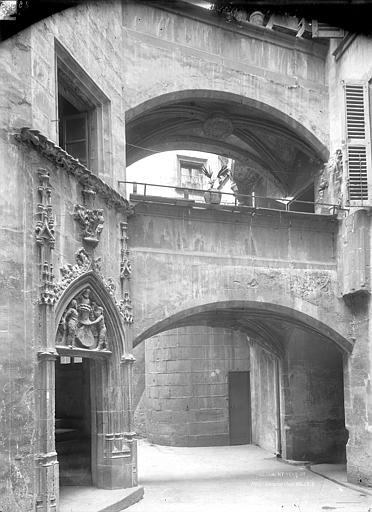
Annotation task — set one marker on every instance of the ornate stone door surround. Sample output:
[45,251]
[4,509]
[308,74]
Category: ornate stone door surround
[99,320]
[99,325]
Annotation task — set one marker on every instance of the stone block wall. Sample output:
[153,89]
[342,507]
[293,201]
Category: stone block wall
[187,384]
[203,51]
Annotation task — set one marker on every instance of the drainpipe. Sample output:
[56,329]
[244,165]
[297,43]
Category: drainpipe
[278,424]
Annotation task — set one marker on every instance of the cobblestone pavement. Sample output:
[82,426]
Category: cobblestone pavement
[235,479]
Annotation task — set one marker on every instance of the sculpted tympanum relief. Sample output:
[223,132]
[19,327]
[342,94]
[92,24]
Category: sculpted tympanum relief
[83,324]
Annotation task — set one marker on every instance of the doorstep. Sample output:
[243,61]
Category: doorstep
[337,473]
[92,499]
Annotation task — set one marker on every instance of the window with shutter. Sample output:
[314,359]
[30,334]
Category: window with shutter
[326,31]
[74,136]
[189,172]
[83,112]
[357,143]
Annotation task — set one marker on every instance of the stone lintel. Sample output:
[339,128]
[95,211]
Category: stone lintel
[82,352]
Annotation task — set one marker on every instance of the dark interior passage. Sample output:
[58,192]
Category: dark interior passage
[239,408]
[314,399]
[73,421]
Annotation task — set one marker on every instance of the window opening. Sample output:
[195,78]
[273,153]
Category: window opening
[83,114]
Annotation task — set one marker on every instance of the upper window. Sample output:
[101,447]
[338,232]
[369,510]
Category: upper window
[357,144]
[83,114]
[189,172]
[74,123]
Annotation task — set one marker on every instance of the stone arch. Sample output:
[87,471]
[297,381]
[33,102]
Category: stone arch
[256,310]
[261,138]
[112,317]
[278,115]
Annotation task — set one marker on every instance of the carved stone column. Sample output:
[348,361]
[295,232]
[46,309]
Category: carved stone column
[126,368]
[46,457]
[47,473]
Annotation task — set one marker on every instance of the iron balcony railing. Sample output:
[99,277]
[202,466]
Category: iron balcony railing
[153,192]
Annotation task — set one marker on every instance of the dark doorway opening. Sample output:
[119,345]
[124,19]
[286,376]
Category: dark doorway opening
[240,426]
[73,421]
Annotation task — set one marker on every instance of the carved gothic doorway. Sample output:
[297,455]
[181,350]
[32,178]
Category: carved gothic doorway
[73,415]
[93,375]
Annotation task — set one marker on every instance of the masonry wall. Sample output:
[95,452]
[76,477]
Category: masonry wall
[203,49]
[187,384]
[354,249]
[91,33]
[313,400]
[198,257]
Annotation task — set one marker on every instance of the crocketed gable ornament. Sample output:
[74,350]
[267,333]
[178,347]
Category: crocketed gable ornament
[84,311]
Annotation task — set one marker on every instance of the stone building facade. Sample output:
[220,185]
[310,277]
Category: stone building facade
[207,299]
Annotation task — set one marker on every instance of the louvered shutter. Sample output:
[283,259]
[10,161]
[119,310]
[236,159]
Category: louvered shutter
[357,143]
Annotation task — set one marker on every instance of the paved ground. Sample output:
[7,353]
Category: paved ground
[235,479]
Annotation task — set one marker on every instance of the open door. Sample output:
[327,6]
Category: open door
[240,408]
[73,421]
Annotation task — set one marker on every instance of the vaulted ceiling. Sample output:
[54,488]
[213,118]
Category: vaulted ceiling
[258,139]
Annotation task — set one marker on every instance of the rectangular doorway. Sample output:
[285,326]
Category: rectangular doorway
[240,408]
[73,421]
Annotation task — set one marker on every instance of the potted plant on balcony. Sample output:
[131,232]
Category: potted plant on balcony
[213,195]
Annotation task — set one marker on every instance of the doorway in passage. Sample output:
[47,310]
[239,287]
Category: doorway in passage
[240,426]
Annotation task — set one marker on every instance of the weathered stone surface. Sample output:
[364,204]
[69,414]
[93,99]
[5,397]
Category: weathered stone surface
[218,256]
[187,384]
[313,415]
[273,265]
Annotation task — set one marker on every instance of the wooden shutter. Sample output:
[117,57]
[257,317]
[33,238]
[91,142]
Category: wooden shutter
[326,31]
[75,136]
[357,142]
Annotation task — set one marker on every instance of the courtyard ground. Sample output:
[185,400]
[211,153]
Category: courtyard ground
[239,478]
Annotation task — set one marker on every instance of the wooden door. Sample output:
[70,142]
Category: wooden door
[240,407]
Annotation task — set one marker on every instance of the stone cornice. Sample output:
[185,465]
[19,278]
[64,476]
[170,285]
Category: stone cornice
[245,29]
[84,176]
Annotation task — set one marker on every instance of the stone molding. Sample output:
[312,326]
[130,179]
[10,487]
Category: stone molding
[46,459]
[65,351]
[128,359]
[84,176]
[47,354]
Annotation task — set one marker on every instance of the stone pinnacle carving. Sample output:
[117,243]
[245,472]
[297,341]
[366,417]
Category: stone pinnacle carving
[91,222]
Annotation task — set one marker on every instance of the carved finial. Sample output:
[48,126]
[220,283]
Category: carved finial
[91,222]
[125,308]
[44,228]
